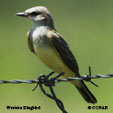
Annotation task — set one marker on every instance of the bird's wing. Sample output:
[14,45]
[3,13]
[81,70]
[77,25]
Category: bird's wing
[30,44]
[65,53]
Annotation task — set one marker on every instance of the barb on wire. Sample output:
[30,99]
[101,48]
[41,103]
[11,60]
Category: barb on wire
[50,82]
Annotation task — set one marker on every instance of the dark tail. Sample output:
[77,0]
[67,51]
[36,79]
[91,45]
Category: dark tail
[85,93]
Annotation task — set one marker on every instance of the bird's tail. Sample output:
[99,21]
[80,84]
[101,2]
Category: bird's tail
[84,91]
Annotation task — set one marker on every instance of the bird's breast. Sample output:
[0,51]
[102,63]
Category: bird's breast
[50,58]
[47,53]
[45,50]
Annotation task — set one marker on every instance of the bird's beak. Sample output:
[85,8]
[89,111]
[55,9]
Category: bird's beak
[22,14]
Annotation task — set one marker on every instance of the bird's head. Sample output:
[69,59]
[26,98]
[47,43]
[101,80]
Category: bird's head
[39,15]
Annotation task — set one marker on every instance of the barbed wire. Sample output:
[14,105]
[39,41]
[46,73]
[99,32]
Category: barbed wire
[84,77]
[50,82]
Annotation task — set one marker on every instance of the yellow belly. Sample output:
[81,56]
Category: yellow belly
[51,58]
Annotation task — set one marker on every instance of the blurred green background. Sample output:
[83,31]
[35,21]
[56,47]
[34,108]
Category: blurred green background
[87,26]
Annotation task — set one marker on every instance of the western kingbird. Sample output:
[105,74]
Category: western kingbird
[45,42]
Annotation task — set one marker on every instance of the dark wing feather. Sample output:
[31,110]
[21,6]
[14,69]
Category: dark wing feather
[65,53]
[30,43]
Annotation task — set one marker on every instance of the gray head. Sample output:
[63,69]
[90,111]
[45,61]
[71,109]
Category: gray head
[39,15]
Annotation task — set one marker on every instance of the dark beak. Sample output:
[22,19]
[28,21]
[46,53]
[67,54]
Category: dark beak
[21,14]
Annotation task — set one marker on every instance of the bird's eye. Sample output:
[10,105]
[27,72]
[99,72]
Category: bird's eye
[35,13]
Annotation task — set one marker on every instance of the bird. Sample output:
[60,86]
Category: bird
[52,49]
